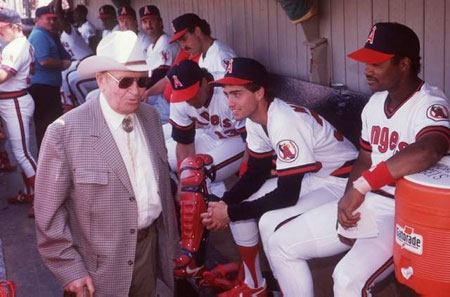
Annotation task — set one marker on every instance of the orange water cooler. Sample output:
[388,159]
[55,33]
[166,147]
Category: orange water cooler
[422,231]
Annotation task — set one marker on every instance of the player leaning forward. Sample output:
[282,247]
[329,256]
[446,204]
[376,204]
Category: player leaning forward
[405,129]
[312,161]
[16,105]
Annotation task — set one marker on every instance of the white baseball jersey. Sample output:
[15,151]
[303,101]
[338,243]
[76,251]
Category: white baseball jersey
[216,58]
[215,117]
[106,32]
[17,59]
[87,30]
[161,53]
[302,139]
[75,45]
[16,105]
[144,41]
[387,132]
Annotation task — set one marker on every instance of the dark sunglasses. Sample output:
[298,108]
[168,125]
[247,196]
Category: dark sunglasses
[126,82]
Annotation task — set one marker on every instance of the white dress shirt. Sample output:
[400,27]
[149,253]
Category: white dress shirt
[136,156]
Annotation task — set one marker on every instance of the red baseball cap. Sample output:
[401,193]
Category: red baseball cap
[147,11]
[243,71]
[126,11]
[386,40]
[185,79]
[107,12]
[181,24]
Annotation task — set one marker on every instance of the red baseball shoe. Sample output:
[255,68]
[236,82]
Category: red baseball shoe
[185,267]
[245,291]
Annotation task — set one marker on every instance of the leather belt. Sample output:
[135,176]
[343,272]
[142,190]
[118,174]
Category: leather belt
[10,95]
[344,170]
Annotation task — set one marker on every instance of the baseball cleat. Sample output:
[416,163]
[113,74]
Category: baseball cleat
[21,198]
[185,267]
[223,277]
[243,290]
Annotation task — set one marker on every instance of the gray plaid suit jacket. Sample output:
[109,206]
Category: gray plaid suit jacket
[86,215]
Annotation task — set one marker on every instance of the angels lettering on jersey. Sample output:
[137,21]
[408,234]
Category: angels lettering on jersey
[386,133]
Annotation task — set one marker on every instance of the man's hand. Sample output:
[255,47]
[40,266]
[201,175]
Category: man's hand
[77,286]
[216,218]
[347,205]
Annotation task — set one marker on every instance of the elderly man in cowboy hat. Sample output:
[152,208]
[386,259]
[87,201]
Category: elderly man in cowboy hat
[105,217]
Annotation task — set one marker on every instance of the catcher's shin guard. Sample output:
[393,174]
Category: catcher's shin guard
[193,194]
[7,288]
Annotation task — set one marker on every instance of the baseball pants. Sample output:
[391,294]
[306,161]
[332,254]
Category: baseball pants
[315,191]
[66,93]
[48,107]
[17,114]
[313,235]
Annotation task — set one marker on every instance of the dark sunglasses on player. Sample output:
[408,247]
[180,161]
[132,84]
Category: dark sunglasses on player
[126,82]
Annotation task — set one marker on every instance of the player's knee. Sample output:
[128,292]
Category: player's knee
[265,226]
[277,249]
[346,282]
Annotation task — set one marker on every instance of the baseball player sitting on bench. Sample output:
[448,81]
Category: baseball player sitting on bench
[196,103]
[405,129]
[312,163]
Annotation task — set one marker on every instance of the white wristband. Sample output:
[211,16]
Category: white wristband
[361,185]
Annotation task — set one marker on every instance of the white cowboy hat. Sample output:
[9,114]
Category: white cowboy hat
[120,50]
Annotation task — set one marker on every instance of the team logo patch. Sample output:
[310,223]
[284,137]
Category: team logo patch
[230,66]
[371,35]
[165,56]
[226,62]
[176,82]
[146,10]
[438,112]
[407,239]
[287,151]
[123,11]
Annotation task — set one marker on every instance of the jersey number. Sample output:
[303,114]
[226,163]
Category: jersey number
[338,135]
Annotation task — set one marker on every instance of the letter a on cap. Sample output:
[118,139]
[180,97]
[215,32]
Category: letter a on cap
[124,11]
[371,35]
[146,11]
[229,66]
[177,83]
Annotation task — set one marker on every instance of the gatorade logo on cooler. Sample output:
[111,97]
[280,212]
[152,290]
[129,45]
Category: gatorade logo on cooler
[407,239]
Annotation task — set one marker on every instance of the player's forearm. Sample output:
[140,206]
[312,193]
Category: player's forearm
[55,63]
[361,164]
[418,156]
[184,150]
[4,75]
[285,195]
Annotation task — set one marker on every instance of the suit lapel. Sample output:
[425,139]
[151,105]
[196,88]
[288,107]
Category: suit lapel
[103,142]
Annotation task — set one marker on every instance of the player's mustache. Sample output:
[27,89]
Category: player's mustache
[187,48]
[370,78]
